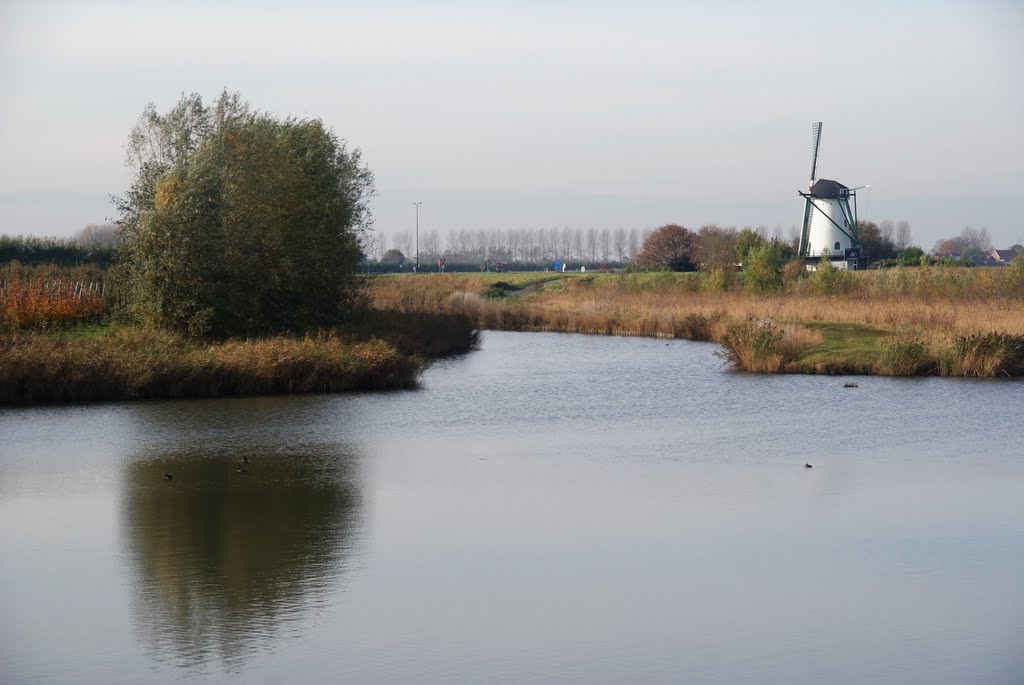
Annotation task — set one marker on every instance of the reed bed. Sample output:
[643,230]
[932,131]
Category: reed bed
[134,364]
[905,321]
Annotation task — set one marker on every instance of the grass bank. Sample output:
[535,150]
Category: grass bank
[938,320]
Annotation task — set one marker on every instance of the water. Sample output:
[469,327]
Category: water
[551,508]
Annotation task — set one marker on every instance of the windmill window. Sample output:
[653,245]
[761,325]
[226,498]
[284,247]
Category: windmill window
[837,245]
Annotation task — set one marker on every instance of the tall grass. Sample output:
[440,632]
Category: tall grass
[905,356]
[762,346]
[135,364]
[940,305]
[988,354]
[656,304]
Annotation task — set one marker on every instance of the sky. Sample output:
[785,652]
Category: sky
[536,114]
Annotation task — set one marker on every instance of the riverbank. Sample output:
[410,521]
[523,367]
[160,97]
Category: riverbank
[377,350]
[899,322]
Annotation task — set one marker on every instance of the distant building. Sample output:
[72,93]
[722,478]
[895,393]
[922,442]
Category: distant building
[1002,256]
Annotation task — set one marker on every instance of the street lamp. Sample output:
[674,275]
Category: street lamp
[416,268]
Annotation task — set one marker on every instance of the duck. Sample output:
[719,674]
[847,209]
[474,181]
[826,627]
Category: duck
[808,466]
[168,476]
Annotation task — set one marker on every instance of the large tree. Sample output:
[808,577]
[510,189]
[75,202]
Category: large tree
[239,223]
[670,247]
[876,239]
[716,248]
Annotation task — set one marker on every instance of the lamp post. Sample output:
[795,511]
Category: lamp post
[416,268]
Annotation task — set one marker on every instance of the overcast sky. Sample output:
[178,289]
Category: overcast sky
[546,113]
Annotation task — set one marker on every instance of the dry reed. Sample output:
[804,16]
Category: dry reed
[133,364]
[941,305]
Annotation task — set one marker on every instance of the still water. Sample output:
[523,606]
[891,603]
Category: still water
[549,508]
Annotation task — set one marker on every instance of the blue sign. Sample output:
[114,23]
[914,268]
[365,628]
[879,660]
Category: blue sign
[853,253]
[558,266]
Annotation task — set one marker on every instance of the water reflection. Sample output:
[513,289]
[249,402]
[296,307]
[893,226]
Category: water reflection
[226,562]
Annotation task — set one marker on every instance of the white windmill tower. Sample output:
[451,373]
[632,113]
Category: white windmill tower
[829,224]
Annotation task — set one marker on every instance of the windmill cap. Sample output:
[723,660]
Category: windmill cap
[827,189]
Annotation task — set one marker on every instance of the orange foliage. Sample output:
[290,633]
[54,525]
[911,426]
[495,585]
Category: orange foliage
[35,304]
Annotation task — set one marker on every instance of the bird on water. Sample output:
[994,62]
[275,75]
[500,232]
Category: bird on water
[808,466]
[168,476]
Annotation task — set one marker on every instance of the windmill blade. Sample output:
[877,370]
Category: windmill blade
[816,133]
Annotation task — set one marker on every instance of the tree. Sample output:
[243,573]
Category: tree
[619,241]
[876,240]
[903,234]
[403,241]
[238,223]
[393,256]
[669,247]
[716,248]
[910,255]
[431,243]
[972,244]
[633,242]
[746,240]
[97,234]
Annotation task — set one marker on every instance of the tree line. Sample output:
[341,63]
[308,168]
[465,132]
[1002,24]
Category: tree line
[528,245]
[35,251]
[709,246]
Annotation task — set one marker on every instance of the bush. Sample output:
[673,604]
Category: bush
[717,280]
[828,280]
[905,356]
[794,271]
[762,270]
[910,255]
[697,326]
[753,346]
[988,354]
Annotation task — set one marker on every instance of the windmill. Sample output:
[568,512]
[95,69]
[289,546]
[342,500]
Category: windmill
[829,224]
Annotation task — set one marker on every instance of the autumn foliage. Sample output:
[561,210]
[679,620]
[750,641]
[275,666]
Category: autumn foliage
[670,247]
[50,298]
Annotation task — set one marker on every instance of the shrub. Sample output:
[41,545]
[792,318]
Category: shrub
[987,354]
[753,346]
[697,326]
[794,271]
[761,271]
[828,280]
[718,280]
[905,356]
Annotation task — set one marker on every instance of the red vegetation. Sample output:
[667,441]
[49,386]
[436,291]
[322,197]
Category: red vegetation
[38,300]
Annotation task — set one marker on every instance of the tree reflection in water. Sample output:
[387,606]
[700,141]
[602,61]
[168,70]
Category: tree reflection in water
[225,563]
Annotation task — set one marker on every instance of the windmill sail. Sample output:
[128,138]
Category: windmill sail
[816,134]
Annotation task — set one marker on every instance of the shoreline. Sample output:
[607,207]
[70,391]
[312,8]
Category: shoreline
[924,323]
[116,363]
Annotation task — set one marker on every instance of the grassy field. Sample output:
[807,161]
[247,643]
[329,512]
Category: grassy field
[914,321]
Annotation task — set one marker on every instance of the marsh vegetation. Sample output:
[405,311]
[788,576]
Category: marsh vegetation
[904,321]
